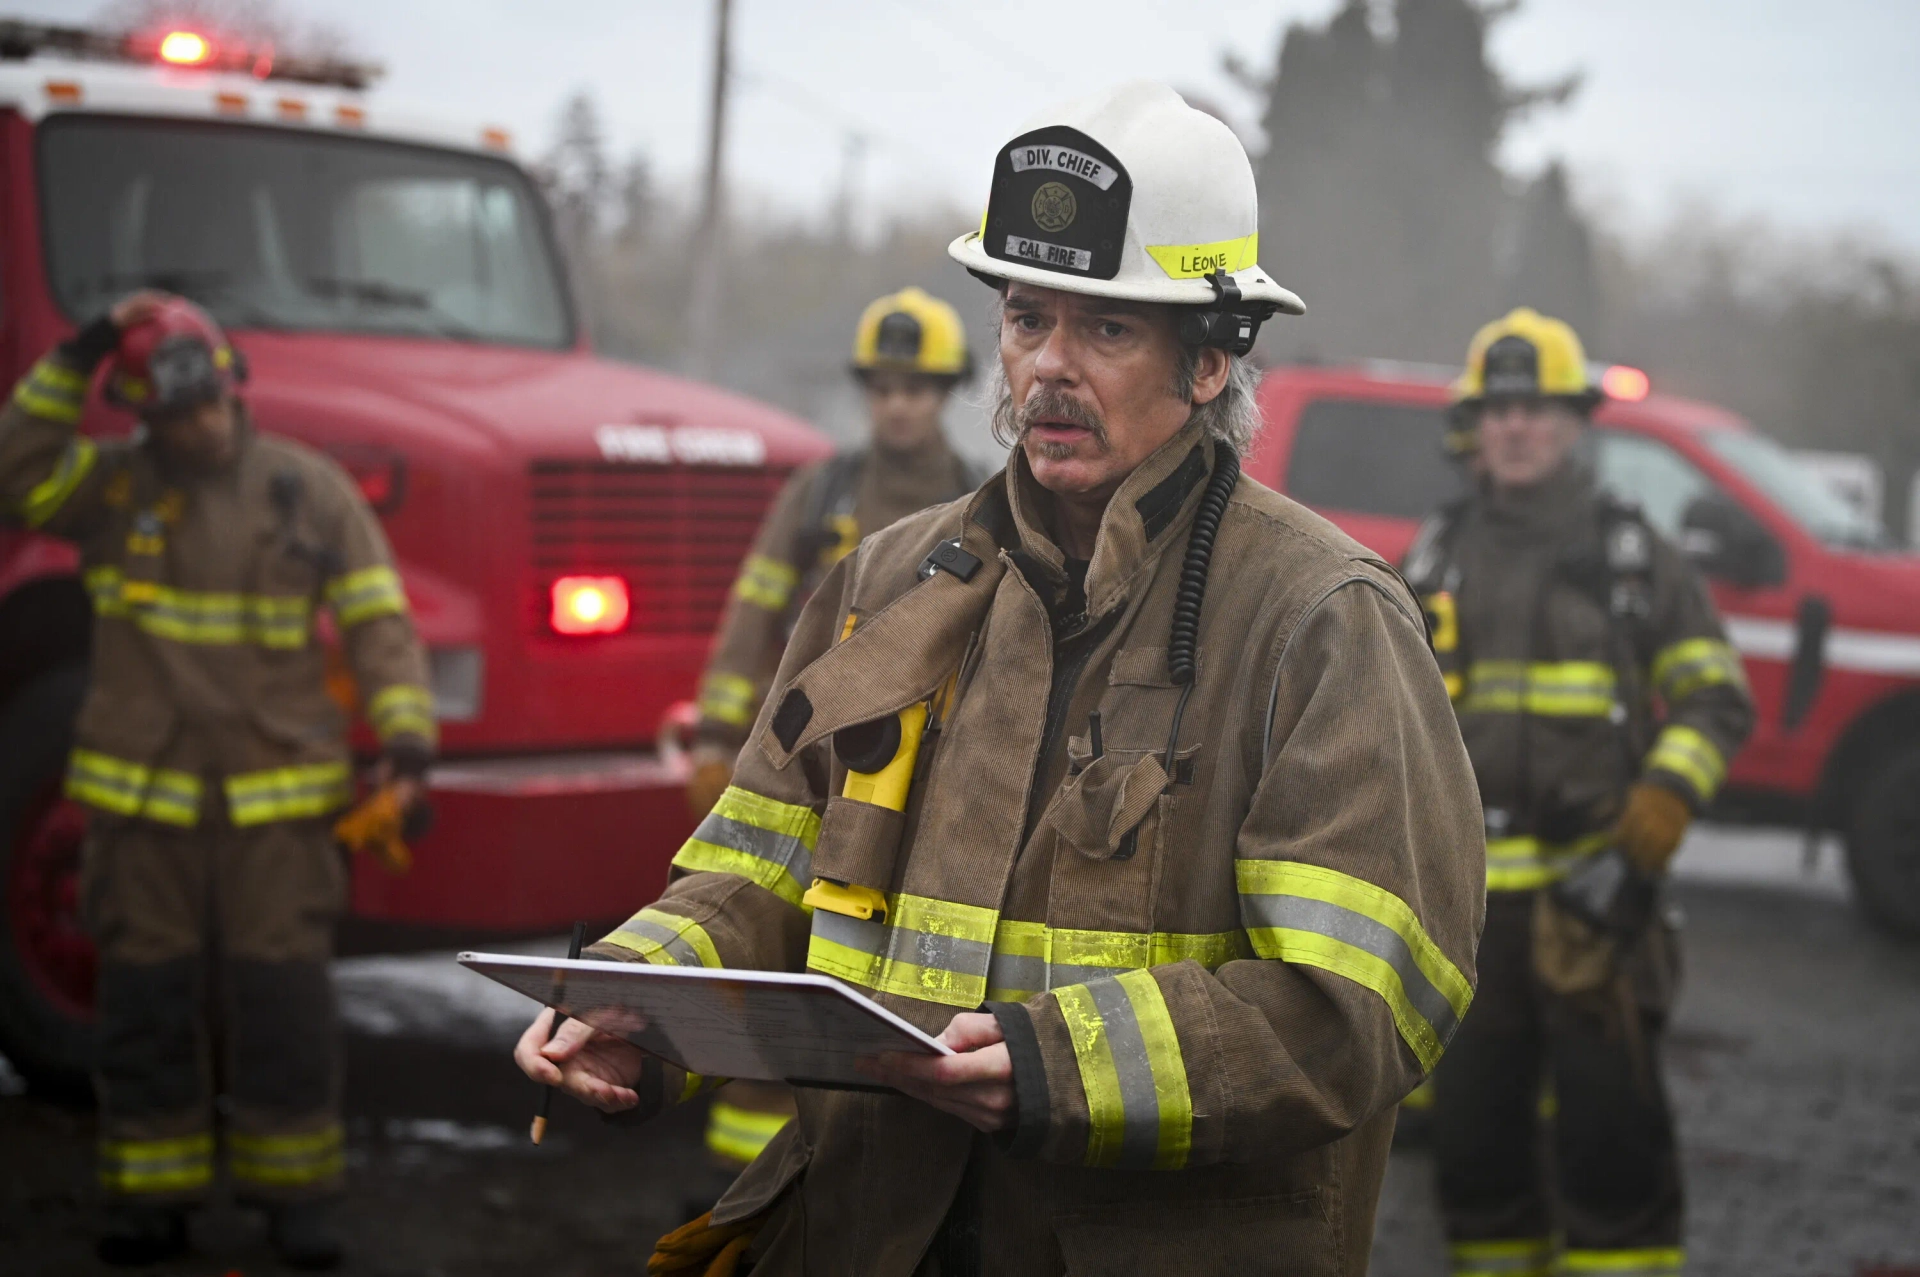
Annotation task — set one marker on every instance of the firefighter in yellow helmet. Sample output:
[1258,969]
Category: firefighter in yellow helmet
[909,351]
[1600,703]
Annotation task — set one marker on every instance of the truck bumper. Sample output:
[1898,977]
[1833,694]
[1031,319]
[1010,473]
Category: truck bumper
[536,843]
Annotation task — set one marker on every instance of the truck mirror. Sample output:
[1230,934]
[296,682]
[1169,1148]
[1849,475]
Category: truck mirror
[1727,542]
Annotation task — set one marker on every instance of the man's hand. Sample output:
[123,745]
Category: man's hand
[975,1085]
[593,1067]
[406,789]
[136,308]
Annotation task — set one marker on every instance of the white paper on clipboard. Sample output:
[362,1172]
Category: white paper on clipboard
[766,1025]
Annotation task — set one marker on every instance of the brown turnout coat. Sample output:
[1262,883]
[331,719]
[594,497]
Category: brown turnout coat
[1215,985]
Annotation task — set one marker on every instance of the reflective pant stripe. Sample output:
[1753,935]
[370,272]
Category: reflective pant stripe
[1561,689]
[1315,916]
[191,616]
[933,950]
[181,1164]
[1521,1257]
[766,582]
[288,793]
[366,594]
[1689,755]
[666,940]
[52,392]
[740,1133]
[727,698]
[402,708]
[1031,957]
[47,496]
[767,842]
[287,1161]
[130,789]
[1661,1261]
[1527,864]
[1140,1113]
[1691,664]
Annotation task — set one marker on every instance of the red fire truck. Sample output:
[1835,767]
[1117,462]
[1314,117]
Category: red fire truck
[1821,604]
[567,527]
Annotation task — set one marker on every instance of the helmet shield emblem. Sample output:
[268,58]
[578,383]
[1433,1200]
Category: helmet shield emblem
[899,337]
[1512,367]
[1059,202]
[183,373]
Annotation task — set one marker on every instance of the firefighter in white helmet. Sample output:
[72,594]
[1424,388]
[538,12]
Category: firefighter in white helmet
[1189,869]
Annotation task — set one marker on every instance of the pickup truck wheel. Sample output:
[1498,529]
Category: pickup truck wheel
[1883,844]
[46,959]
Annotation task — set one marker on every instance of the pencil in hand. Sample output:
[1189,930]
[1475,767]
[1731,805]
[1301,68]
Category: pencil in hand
[545,1103]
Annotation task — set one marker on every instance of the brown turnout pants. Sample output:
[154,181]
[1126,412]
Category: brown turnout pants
[214,944]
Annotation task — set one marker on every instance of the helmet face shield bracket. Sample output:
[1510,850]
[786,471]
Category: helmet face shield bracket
[1233,326]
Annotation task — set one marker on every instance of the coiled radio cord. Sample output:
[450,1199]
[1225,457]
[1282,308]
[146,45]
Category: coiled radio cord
[1185,637]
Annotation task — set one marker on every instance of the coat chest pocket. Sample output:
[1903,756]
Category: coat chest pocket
[1110,822]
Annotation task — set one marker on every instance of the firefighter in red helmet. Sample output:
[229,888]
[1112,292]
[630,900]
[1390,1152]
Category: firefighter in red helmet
[213,762]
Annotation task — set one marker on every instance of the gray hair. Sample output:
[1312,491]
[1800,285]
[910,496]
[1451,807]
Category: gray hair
[1232,416]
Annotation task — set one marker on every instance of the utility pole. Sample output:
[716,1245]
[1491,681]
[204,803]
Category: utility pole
[853,150]
[703,309]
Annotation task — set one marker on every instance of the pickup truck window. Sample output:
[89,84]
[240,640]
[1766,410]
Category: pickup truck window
[1805,499]
[293,229]
[1647,472]
[1366,457]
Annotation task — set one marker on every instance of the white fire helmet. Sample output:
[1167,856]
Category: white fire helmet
[1129,193]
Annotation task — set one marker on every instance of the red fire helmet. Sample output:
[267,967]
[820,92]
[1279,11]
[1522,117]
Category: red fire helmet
[174,360]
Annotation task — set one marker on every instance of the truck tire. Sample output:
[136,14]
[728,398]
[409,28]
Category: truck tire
[1883,844]
[46,959]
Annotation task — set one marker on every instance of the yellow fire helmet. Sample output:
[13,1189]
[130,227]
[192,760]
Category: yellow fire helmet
[1526,354]
[911,331]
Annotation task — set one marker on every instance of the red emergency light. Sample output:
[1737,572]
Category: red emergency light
[589,605]
[185,48]
[1628,384]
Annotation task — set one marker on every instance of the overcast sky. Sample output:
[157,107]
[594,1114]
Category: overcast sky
[1807,114]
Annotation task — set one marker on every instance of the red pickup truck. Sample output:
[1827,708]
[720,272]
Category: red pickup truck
[567,528]
[1824,608]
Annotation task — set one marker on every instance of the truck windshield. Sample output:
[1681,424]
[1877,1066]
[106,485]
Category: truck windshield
[283,228]
[1810,503]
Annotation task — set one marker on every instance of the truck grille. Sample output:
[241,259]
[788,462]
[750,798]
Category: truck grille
[676,533]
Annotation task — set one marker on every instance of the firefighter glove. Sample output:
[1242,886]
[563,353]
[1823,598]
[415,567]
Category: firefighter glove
[1651,827]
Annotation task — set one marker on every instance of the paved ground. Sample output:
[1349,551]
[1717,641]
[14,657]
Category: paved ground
[1795,1066]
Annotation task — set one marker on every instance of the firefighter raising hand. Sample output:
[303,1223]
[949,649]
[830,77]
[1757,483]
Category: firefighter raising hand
[136,308]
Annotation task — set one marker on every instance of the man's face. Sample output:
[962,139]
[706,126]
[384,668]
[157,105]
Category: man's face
[904,408]
[1523,441]
[1092,385]
[201,435]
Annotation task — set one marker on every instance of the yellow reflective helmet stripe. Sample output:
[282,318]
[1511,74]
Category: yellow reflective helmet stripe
[52,392]
[1692,757]
[766,582]
[1519,1257]
[1192,261]
[1139,1108]
[176,1165]
[288,793]
[1526,864]
[938,337]
[741,1133]
[1031,957]
[366,594]
[132,789]
[402,708]
[44,500]
[1314,916]
[1691,664]
[727,698]
[287,1161]
[1657,1261]
[666,940]
[1555,689]
[767,842]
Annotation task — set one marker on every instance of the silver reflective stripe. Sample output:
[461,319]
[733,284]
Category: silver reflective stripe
[1298,913]
[1140,1134]
[1037,975]
[903,944]
[669,940]
[763,844]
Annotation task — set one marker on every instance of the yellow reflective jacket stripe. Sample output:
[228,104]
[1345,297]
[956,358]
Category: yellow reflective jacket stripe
[1139,1108]
[366,594]
[933,950]
[288,793]
[1031,957]
[179,1164]
[1526,864]
[666,940]
[766,582]
[48,495]
[52,391]
[1568,689]
[1658,1261]
[770,843]
[402,708]
[1519,1257]
[287,1160]
[1691,664]
[1691,756]
[727,698]
[132,789]
[740,1133]
[1314,916]
[191,616]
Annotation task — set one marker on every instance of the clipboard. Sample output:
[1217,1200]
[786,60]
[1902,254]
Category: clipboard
[774,1026]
